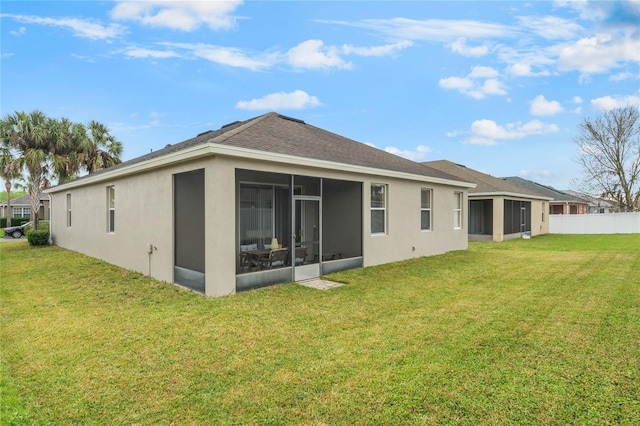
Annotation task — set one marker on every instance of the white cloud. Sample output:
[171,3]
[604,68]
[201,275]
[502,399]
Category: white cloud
[444,30]
[297,99]
[623,76]
[483,72]
[541,106]
[178,15]
[599,54]
[419,154]
[457,83]
[229,56]
[81,27]
[459,46]
[19,32]
[493,87]
[488,132]
[135,52]
[523,69]
[576,100]
[473,86]
[387,49]
[607,102]
[551,27]
[312,54]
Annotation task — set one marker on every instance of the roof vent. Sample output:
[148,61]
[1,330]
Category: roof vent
[291,119]
[168,145]
[229,124]
[204,133]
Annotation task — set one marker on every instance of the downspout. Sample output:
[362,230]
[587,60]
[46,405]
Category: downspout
[50,241]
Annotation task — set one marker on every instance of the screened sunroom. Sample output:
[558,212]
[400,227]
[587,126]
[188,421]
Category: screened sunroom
[294,228]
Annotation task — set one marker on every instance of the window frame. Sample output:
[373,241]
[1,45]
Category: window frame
[383,209]
[458,203]
[111,209]
[68,210]
[20,212]
[428,209]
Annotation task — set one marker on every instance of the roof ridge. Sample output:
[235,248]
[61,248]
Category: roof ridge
[248,124]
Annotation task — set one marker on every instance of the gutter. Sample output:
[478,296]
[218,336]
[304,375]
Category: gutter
[508,194]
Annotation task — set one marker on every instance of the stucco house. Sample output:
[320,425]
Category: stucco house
[597,205]
[499,210]
[267,200]
[561,202]
[21,207]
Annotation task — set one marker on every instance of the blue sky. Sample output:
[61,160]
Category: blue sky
[497,86]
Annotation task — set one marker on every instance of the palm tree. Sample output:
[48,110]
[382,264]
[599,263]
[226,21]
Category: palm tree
[9,170]
[49,148]
[31,137]
[67,149]
[100,149]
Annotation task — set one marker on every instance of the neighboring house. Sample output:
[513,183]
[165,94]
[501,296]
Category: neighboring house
[561,201]
[596,205]
[499,210]
[21,207]
[203,213]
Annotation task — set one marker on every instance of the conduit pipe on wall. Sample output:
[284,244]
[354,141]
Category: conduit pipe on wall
[150,249]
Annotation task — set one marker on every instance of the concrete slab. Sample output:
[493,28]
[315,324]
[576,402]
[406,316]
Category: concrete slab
[320,284]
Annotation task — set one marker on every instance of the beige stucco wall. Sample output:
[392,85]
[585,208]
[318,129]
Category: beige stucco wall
[538,226]
[144,214]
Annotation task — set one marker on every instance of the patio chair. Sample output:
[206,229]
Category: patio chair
[246,261]
[301,255]
[276,258]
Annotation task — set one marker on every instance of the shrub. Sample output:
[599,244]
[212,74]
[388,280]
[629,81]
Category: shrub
[15,221]
[38,237]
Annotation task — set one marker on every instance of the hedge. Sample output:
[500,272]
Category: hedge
[38,237]
[15,221]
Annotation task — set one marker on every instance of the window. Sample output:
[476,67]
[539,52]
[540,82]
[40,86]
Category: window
[21,212]
[111,209]
[425,209]
[68,210]
[457,210]
[378,209]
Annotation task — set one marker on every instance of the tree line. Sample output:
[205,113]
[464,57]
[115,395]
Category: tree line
[51,150]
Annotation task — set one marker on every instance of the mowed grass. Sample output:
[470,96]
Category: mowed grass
[539,331]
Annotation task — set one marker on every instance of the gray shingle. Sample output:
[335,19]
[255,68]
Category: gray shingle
[276,133]
[547,191]
[485,183]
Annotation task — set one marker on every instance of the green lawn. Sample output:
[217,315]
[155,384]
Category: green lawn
[539,331]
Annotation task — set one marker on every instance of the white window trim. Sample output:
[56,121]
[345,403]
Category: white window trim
[458,211]
[429,209]
[110,208]
[69,210]
[383,209]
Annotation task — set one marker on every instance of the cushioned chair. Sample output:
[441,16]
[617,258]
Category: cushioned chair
[301,255]
[276,258]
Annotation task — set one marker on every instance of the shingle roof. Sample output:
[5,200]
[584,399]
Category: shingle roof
[25,200]
[593,201]
[276,133]
[554,194]
[484,183]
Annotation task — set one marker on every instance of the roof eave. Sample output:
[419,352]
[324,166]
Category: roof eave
[508,194]
[211,148]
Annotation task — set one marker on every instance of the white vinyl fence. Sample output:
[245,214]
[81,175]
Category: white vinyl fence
[609,223]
